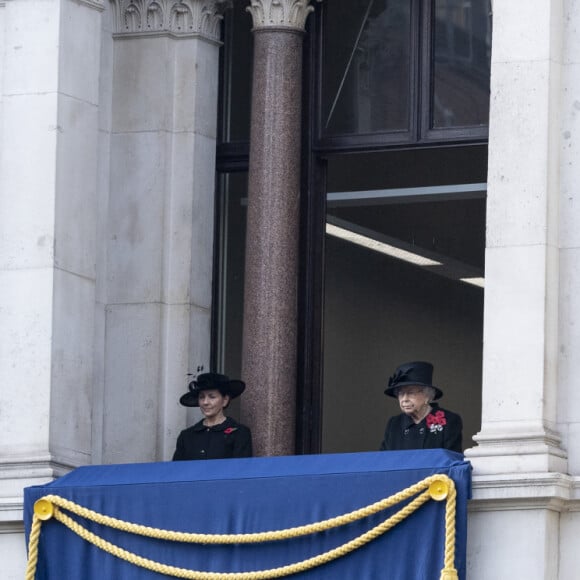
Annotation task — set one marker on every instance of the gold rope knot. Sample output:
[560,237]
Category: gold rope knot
[439,489]
[43,509]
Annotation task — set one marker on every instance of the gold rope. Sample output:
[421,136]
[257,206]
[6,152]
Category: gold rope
[242,538]
[438,487]
[449,572]
[33,548]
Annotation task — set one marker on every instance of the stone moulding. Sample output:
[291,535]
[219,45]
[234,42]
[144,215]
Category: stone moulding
[175,17]
[521,491]
[15,475]
[96,4]
[280,13]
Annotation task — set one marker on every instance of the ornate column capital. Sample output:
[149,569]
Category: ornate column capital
[280,13]
[174,17]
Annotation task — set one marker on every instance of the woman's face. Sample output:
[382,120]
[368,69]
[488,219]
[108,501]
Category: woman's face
[212,403]
[413,400]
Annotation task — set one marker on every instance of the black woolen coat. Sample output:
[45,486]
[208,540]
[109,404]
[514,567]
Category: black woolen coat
[226,440]
[402,433]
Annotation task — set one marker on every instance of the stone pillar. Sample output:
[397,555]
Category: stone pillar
[569,302]
[270,294]
[49,104]
[154,295]
[520,480]
[520,380]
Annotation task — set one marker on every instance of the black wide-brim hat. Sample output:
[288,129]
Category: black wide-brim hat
[206,381]
[417,373]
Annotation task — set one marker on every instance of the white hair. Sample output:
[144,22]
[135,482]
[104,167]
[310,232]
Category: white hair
[430,392]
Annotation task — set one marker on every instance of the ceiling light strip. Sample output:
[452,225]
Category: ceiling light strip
[377,246]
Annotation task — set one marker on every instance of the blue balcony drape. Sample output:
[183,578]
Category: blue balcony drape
[237,496]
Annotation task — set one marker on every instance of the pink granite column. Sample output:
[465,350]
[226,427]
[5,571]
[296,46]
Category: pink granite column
[270,293]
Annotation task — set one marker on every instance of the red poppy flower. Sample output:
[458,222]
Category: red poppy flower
[436,421]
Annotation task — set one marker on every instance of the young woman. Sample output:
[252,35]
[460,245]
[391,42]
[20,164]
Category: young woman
[216,436]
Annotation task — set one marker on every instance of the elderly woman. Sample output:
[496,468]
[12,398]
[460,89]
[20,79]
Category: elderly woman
[422,423]
[215,436]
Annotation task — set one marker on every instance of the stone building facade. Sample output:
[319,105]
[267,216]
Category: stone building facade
[108,140]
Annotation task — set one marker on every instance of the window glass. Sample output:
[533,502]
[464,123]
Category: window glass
[404,276]
[232,189]
[365,66]
[461,63]
[236,77]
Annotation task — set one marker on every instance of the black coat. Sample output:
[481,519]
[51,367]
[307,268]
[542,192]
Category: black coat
[223,441]
[402,432]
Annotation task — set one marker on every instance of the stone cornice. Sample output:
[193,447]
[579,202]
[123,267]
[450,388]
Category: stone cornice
[280,13]
[174,17]
[526,447]
[19,473]
[523,491]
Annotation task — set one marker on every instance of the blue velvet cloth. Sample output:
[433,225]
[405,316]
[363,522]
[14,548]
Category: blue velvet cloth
[253,495]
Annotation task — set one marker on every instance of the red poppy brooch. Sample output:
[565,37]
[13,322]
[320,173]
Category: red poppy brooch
[230,430]
[436,421]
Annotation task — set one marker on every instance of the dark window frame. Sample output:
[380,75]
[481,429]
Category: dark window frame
[316,151]
[370,141]
[234,156]
[438,135]
[420,134]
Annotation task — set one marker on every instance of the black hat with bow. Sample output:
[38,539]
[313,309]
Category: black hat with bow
[416,373]
[206,381]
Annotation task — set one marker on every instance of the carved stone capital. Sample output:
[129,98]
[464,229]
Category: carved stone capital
[174,17]
[280,13]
